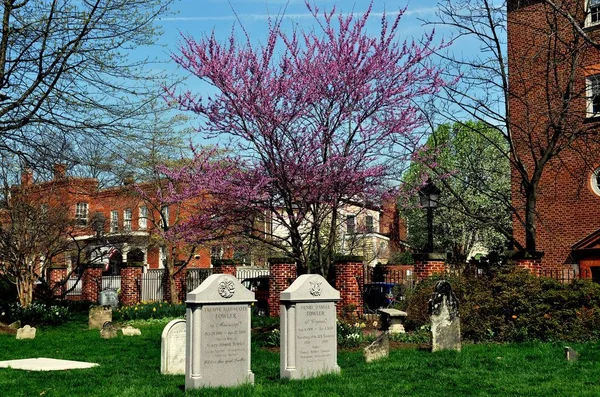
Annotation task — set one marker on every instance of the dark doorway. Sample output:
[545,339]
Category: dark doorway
[595,274]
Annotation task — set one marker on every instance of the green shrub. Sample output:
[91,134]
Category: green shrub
[149,310]
[37,313]
[514,306]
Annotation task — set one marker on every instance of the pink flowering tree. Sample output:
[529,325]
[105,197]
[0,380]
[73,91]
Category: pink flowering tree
[313,118]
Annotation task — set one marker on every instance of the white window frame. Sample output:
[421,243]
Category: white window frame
[164,216]
[81,213]
[369,228]
[589,84]
[592,12]
[127,219]
[143,218]
[595,181]
[350,224]
[114,221]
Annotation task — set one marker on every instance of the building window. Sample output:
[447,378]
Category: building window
[595,181]
[81,214]
[143,219]
[127,219]
[216,252]
[350,224]
[593,13]
[369,224]
[593,95]
[114,221]
[164,218]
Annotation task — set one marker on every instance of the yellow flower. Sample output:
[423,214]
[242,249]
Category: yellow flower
[135,308]
[514,316]
[153,309]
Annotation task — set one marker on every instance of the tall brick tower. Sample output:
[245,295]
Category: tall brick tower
[554,79]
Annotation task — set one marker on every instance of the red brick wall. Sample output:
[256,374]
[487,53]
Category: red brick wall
[131,278]
[224,266]
[428,264]
[568,209]
[56,276]
[281,276]
[349,282]
[90,287]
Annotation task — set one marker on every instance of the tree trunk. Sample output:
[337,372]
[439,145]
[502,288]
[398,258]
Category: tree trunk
[530,217]
[170,270]
[25,291]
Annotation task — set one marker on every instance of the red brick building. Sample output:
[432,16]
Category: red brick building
[554,79]
[116,222]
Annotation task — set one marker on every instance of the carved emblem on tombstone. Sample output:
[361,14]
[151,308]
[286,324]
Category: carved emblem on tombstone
[226,288]
[315,288]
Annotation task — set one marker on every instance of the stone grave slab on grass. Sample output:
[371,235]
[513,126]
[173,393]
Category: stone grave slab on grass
[308,328]
[45,364]
[27,332]
[218,333]
[98,316]
[445,320]
[172,352]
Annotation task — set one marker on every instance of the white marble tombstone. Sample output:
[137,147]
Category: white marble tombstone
[218,333]
[172,357]
[308,328]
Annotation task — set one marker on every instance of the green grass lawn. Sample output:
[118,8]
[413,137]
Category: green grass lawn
[130,366]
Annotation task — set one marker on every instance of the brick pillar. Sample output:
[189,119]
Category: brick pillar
[349,280]
[180,285]
[57,276]
[224,266]
[282,273]
[428,264]
[90,283]
[131,281]
[531,261]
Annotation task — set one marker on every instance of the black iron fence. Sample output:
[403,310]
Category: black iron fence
[195,277]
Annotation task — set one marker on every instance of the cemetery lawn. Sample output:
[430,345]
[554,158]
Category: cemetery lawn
[130,366]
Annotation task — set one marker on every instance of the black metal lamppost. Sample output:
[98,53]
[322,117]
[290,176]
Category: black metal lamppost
[428,198]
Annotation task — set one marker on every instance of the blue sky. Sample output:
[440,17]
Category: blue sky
[201,17]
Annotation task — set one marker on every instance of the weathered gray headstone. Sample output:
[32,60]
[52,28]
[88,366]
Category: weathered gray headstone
[308,328]
[109,297]
[108,331]
[130,331]
[26,332]
[99,315]
[571,354]
[172,353]
[218,333]
[380,348]
[445,320]
[392,320]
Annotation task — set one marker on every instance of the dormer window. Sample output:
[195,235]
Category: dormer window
[593,13]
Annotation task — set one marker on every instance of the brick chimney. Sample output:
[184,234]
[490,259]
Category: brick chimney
[26,176]
[60,170]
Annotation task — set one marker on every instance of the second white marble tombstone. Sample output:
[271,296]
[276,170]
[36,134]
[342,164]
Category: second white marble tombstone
[308,328]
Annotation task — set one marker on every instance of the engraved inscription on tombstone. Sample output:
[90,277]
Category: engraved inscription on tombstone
[308,328]
[172,358]
[218,334]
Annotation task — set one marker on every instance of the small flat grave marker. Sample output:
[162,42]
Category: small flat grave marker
[218,333]
[308,328]
[172,357]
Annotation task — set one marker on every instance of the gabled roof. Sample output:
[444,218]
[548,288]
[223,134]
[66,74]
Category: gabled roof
[587,245]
